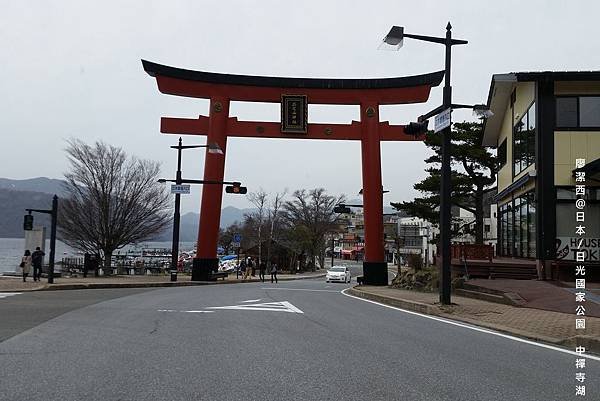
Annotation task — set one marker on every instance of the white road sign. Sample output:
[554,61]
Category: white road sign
[180,189]
[442,120]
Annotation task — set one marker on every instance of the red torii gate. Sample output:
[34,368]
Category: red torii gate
[223,88]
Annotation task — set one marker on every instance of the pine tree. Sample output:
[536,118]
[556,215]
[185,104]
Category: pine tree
[474,171]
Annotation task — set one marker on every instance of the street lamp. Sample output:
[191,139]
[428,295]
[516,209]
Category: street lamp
[212,148]
[394,41]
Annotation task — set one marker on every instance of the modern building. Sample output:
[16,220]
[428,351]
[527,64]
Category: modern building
[464,221]
[543,123]
[415,235]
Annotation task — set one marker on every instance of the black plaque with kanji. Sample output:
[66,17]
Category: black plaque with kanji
[294,114]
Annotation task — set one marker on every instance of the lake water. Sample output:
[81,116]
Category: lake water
[11,251]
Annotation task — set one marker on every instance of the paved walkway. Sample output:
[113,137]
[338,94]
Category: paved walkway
[16,284]
[546,295]
[551,327]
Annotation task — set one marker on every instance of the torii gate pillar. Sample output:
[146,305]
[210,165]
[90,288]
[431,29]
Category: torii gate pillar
[218,126]
[205,261]
[374,264]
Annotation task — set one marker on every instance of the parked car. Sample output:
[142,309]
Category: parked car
[338,273]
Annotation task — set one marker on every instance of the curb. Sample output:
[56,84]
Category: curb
[159,284]
[592,344]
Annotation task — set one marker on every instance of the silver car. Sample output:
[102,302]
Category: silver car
[338,273]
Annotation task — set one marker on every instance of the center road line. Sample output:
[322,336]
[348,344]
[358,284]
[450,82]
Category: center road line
[297,289]
[479,329]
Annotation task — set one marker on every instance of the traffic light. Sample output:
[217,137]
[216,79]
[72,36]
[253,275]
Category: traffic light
[236,188]
[28,222]
[416,129]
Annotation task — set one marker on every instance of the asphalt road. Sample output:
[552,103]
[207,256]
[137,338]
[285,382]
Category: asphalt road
[300,340]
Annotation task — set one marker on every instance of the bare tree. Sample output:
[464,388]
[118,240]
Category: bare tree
[259,199]
[309,216]
[274,213]
[113,200]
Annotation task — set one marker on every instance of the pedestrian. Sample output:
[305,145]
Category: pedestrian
[274,272]
[242,268]
[26,264]
[249,266]
[37,258]
[262,270]
[253,266]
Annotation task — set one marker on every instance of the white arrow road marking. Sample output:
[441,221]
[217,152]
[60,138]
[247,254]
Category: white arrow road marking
[251,300]
[283,306]
[9,294]
[186,311]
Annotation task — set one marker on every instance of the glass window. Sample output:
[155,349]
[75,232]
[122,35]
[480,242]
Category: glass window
[589,111]
[524,232]
[502,154]
[566,112]
[531,135]
[518,145]
[517,226]
[509,231]
[531,225]
[524,141]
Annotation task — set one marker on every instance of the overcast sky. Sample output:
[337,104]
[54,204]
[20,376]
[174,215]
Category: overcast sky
[72,69]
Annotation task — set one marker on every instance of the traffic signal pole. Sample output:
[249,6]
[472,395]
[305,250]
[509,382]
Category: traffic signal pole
[54,217]
[176,218]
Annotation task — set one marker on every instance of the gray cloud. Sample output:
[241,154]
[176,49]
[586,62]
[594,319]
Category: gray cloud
[73,69]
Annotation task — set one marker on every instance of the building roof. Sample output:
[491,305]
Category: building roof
[502,86]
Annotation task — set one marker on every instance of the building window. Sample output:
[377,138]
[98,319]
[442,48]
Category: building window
[524,141]
[502,154]
[578,112]
[517,227]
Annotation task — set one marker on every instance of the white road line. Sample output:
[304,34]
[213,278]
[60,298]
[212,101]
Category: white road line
[251,300]
[297,289]
[9,294]
[282,306]
[482,330]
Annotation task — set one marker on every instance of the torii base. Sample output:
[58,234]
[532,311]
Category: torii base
[202,269]
[375,273]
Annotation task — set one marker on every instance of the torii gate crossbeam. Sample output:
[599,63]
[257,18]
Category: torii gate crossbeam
[221,89]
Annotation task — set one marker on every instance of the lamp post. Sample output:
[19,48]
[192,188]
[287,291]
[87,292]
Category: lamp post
[212,148]
[394,39]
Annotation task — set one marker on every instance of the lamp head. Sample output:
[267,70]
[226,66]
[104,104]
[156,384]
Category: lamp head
[482,111]
[393,40]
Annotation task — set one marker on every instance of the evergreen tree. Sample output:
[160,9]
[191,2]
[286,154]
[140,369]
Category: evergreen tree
[476,172]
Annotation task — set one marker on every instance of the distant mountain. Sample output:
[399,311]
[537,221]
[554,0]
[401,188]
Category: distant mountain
[36,193]
[12,210]
[39,184]
[188,229]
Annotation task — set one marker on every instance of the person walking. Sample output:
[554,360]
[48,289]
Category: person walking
[26,264]
[37,258]
[242,268]
[249,267]
[274,272]
[262,271]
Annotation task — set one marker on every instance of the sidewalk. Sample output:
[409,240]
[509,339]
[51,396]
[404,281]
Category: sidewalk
[540,325]
[16,284]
